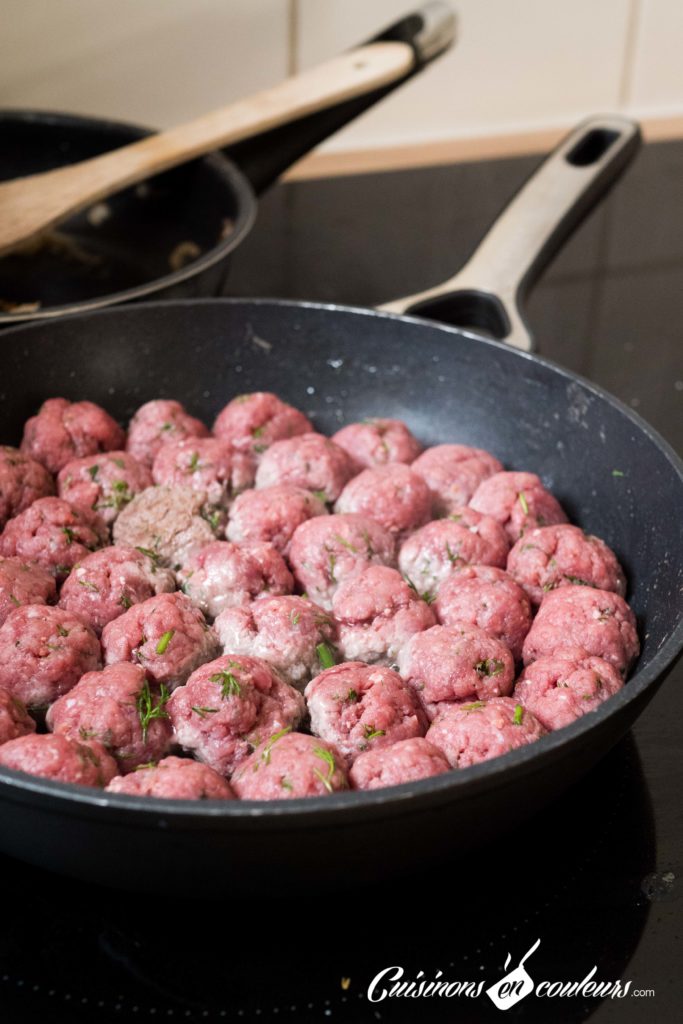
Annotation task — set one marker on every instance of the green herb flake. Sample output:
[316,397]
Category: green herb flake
[286,784]
[523,502]
[212,517]
[577,580]
[345,543]
[69,534]
[193,464]
[257,431]
[294,617]
[321,496]
[518,715]
[489,667]
[476,705]
[203,712]
[125,601]
[371,733]
[88,585]
[93,471]
[14,600]
[618,472]
[332,561]
[147,709]
[152,555]
[165,641]
[351,697]
[230,686]
[328,758]
[270,743]
[119,462]
[61,631]
[453,556]
[325,655]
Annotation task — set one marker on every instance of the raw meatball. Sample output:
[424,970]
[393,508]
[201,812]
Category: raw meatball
[485,597]
[110,581]
[518,501]
[393,496]
[251,423]
[15,720]
[453,472]
[104,483]
[576,616]
[446,663]
[566,685]
[54,534]
[60,758]
[272,515]
[377,613]
[166,634]
[554,556]
[405,761]
[221,575]
[22,481]
[327,550]
[471,733]
[432,554]
[207,466]
[287,632]
[156,424]
[44,651]
[311,461]
[24,583]
[167,521]
[118,708]
[291,765]
[62,431]
[230,706]
[376,442]
[174,778]
[360,708]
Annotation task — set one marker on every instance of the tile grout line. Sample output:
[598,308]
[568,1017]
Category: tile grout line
[629,54]
[292,37]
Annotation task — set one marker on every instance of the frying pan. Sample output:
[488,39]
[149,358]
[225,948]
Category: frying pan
[612,473]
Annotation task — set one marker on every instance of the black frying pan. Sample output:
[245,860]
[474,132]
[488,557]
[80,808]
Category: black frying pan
[341,364]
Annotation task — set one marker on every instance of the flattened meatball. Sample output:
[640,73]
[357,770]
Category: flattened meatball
[62,431]
[24,583]
[393,496]
[327,550]
[207,466]
[15,720]
[22,481]
[555,556]
[518,501]
[287,632]
[174,778]
[272,515]
[44,651]
[311,461]
[228,707]
[157,423]
[118,708]
[167,521]
[58,757]
[377,613]
[54,534]
[485,597]
[290,765]
[576,616]
[359,707]
[405,761]
[453,472]
[566,685]
[433,553]
[166,634]
[471,733]
[251,423]
[221,575]
[104,483]
[376,442]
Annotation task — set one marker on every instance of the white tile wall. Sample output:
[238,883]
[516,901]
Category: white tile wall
[656,75]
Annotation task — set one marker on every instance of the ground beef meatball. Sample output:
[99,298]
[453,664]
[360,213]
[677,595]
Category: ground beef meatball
[471,733]
[290,765]
[377,613]
[566,685]
[376,442]
[157,423]
[393,496]
[251,423]
[166,634]
[229,706]
[453,472]
[485,597]
[574,616]
[518,501]
[327,550]
[24,583]
[311,461]
[433,553]
[104,483]
[167,521]
[446,664]
[60,758]
[272,515]
[221,575]
[207,466]
[15,720]
[405,761]
[62,431]
[361,707]
[118,708]
[555,556]
[44,651]
[292,634]
[54,534]
[110,581]
[174,778]
[22,481]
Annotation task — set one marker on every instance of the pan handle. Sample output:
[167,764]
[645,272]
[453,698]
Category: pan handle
[487,293]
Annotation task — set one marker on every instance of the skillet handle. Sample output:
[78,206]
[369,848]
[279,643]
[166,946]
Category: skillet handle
[488,292]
